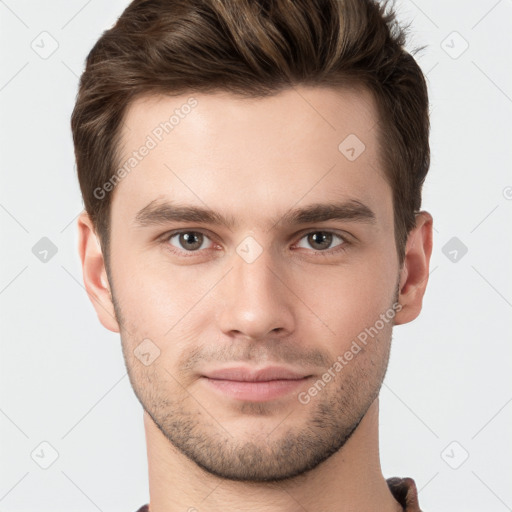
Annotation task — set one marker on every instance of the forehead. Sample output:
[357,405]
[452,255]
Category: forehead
[251,155]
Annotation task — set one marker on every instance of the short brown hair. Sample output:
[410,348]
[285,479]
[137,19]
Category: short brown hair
[253,48]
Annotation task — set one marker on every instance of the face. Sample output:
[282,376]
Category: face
[293,266]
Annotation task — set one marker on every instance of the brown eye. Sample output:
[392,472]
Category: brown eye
[188,240]
[321,240]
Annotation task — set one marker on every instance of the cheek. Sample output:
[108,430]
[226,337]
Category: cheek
[172,307]
[348,298]
[152,293]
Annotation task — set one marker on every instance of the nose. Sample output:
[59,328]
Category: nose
[257,300]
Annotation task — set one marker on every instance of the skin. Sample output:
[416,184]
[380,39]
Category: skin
[256,159]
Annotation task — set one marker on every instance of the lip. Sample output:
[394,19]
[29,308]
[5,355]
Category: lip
[243,383]
[246,374]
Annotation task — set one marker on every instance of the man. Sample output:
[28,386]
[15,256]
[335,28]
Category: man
[251,174]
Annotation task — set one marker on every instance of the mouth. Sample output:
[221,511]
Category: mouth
[243,383]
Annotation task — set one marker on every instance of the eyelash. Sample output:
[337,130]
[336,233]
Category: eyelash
[187,254]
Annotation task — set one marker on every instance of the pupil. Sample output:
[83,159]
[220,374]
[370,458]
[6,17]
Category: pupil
[191,239]
[321,238]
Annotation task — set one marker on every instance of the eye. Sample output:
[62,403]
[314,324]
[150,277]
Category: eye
[188,241]
[321,241]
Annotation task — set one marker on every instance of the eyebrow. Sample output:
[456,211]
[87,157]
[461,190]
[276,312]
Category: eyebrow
[158,212]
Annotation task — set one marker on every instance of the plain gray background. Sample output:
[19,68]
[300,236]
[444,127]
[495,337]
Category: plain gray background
[446,411]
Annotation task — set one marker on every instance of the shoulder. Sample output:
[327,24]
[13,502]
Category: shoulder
[405,492]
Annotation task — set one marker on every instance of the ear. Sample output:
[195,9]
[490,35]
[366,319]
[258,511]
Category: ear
[94,273]
[415,270]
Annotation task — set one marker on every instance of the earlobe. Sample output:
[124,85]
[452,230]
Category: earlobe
[94,273]
[415,270]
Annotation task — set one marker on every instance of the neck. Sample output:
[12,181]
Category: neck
[351,479]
